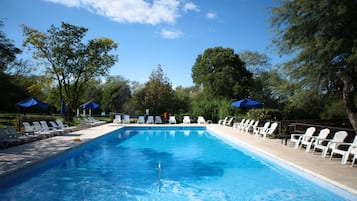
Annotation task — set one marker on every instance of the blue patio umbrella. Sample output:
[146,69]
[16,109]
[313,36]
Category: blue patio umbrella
[247,103]
[32,102]
[91,105]
[63,108]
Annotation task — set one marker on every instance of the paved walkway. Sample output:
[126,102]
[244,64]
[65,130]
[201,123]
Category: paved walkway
[16,158]
[332,171]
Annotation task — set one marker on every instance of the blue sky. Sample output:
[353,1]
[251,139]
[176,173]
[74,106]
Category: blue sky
[150,32]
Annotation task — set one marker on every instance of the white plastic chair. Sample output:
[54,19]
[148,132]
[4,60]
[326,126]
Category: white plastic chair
[331,143]
[238,124]
[172,120]
[251,126]
[141,120]
[150,120]
[352,150]
[117,119]
[258,130]
[308,141]
[270,130]
[65,126]
[201,120]
[126,119]
[186,120]
[297,137]
[158,120]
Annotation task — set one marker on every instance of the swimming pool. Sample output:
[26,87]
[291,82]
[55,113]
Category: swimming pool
[161,163]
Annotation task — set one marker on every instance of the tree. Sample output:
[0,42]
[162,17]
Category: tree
[68,60]
[222,73]
[12,87]
[322,38]
[157,95]
[181,100]
[116,92]
[255,62]
[8,50]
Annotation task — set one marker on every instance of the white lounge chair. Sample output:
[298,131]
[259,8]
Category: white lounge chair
[309,140]
[150,120]
[65,126]
[141,120]
[296,138]
[126,119]
[201,120]
[54,125]
[95,121]
[345,153]
[237,124]
[6,139]
[52,130]
[16,135]
[117,119]
[186,120]
[249,126]
[244,124]
[270,130]
[262,129]
[158,120]
[39,130]
[252,128]
[172,120]
[29,130]
[222,121]
[331,143]
[229,122]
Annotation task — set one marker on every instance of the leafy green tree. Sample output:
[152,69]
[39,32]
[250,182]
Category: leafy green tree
[256,62]
[116,92]
[157,94]
[321,37]
[12,86]
[69,61]
[181,102]
[222,73]
[8,50]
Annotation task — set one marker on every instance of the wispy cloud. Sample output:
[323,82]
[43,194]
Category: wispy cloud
[131,11]
[190,6]
[211,14]
[171,33]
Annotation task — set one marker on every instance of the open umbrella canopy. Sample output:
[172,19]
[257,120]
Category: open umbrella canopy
[247,103]
[91,105]
[63,107]
[32,102]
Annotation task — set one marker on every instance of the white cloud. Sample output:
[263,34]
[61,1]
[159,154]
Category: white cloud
[130,11]
[69,3]
[171,34]
[191,6]
[211,14]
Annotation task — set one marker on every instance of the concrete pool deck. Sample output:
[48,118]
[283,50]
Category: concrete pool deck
[344,176]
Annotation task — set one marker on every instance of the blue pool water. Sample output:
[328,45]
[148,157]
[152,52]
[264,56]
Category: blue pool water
[194,165]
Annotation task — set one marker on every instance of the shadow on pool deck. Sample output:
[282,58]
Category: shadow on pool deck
[16,158]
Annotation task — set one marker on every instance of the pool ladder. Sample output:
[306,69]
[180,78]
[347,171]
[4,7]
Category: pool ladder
[159,176]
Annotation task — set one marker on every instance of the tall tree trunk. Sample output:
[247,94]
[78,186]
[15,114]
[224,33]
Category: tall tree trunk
[348,99]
